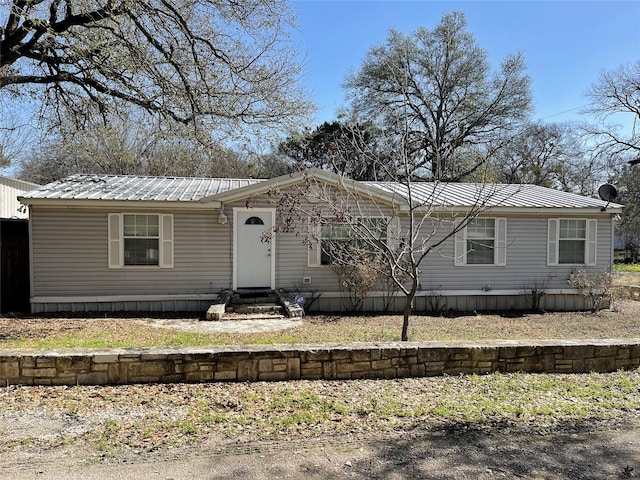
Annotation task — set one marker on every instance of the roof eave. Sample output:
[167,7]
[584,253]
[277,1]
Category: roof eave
[595,210]
[288,180]
[102,203]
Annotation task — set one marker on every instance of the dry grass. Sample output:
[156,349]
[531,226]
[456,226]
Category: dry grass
[40,333]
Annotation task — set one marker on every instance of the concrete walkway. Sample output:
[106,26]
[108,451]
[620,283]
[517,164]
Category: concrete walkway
[229,326]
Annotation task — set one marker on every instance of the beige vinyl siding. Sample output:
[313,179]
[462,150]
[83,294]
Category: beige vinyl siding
[292,255]
[70,256]
[526,265]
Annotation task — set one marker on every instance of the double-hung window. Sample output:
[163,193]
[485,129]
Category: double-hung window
[571,241]
[336,239]
[482,242]
[140,240]
[141,235]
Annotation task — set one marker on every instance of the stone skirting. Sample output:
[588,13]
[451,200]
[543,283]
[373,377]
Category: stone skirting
[330,362]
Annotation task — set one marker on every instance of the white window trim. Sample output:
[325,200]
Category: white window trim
[314,258]
[590,242]
[116,241]
[499,250]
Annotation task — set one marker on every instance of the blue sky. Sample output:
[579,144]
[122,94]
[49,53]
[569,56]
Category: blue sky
[566,44]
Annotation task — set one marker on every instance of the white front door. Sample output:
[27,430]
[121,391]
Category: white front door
[254,242]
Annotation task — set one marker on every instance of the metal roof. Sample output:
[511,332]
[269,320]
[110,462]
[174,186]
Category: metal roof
[190,189]
[140,188]
[490,195]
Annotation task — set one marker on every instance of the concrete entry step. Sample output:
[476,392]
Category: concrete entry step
[262,298]
[255,308]
[249,304]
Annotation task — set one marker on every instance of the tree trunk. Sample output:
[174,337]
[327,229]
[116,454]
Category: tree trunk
[408,308]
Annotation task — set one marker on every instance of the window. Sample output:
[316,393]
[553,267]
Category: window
[482,242]
[140,240]
[571,241]
[481,233]
[254,221]
[336,238]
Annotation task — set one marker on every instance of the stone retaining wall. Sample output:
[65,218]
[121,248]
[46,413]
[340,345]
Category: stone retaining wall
[273,363]
[630,292]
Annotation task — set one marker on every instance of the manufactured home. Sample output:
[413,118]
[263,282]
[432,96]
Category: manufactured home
[134,243]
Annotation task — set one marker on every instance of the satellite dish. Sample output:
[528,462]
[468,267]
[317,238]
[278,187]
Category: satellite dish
[607,192]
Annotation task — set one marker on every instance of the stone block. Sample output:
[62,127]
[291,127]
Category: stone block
[150,369]
[105,358]
[527,351]
[353,367]
[578,352]
[623,352]
[28,362]
[265,365]
[341,354]
[579,366]
[315,356]
[484,354]
[361,356]
[432,355]
[506,352]
[39,372]
[225,375]
[248,370]
[272,376]
[150,357]
[417,370]
[186,367]
[118,373]
[605,350]
[45,362]
[293,368]
[329,370]
[66,380]
[539,363]
[74,364]
[600,364]
[434,366]
[216,312]
[93,378]
[9,368]
[381,364]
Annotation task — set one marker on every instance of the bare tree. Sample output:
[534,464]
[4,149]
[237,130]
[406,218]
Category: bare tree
[127,145]
[399,223]
[14,132]
[547,154]
[627,180]
[440,80]
[616,95]
[224,61]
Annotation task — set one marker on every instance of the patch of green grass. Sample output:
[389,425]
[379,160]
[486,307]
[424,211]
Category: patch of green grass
[626,267]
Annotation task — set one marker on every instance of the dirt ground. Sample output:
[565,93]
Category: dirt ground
[596,451]
[40,443]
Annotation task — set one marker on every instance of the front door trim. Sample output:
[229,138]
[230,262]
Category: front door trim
[236,211]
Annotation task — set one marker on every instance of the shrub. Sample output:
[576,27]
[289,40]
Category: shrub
[596,287]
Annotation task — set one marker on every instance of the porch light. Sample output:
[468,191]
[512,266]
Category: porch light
[222,218]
